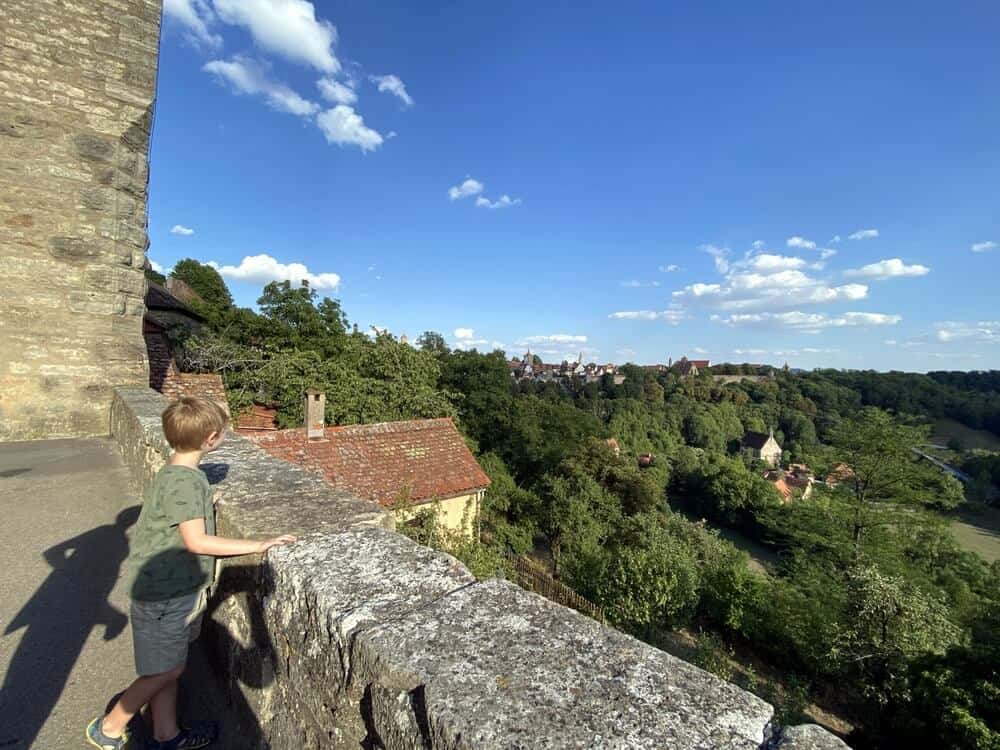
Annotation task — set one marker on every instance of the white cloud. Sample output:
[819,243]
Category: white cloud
[758,244]
[801,242]
[673,316]
[766,263]
[636,284]
[748,291]
[700,350]
[863,234]
[342,125]
[888,269]
[827,252]
[719,255]
[502,202]
[670,268]
[336,91]
[248,76]
[983,247]
[393,85]
[807,322]
[555,338]
[155,266]
[182,230]
[983,331]
[288,28]
[467,188]
[195,16]
[464,333]
[835,239]
[263,269]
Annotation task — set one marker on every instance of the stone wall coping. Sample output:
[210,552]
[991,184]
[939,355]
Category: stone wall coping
[370,639]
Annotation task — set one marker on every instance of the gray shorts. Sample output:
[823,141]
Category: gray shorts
[162,630]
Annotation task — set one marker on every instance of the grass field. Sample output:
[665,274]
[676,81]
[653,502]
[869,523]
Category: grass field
[946,429]
[977,529]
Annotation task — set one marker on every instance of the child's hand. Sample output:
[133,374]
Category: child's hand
[216,496]
[278,541]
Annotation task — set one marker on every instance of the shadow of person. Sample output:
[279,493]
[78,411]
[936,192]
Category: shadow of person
[58,619]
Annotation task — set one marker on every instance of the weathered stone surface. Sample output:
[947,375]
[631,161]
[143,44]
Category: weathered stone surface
[500,667]
[809,737]
[356,637]
[77,82]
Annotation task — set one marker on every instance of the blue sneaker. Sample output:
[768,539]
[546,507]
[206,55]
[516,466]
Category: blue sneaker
[188,739]
[96,736]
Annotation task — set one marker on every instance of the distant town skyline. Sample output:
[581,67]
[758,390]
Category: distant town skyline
[817,185]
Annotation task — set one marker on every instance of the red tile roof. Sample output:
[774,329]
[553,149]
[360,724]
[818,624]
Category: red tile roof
[258,417]
[419,460]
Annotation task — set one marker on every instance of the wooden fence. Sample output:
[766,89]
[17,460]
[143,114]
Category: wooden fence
[532,576]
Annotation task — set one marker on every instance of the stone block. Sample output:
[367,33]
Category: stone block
[809,737]
[498,667]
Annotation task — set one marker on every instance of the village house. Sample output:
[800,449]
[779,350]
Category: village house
[762,447]
[163,312]
[690,367]
[795,483]
[405,466]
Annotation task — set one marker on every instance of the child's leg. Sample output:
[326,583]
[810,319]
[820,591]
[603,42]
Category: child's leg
[163,707]
[139,693]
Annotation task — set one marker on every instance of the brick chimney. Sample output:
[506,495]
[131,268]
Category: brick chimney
[315,414]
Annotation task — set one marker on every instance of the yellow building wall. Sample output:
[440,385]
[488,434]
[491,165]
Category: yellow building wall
[455,513]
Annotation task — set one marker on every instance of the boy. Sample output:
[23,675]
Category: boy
[172,562]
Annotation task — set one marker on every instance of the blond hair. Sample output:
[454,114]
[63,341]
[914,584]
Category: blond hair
[189,421]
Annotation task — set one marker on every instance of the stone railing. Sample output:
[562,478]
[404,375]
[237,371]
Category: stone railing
[356,637]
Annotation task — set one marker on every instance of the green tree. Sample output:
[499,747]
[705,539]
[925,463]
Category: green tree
[208,284]
[432,342]
[879,452]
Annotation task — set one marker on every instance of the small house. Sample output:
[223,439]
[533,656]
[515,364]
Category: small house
[763,447]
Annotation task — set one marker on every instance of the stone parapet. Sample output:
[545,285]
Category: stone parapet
[358,637]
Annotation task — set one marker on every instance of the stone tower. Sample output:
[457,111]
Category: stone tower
[77,85]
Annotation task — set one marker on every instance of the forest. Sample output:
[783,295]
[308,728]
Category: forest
[869,609]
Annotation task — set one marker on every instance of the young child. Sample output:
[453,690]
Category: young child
[172,562]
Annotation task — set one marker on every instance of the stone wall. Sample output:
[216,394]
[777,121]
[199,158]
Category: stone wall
[356,637]
[77,83]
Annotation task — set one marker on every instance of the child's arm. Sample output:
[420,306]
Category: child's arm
[200,543]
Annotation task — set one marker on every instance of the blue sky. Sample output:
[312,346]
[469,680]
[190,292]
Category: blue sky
[807,182]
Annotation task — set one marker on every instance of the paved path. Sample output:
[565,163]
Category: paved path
[65,645]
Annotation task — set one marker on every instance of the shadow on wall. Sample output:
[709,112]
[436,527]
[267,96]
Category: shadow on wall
[58,620]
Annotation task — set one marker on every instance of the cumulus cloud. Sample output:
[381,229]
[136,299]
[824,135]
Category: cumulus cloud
[155,266]
[863,234]
[393,85]
[719,255]
[768,263]
[182,230]
[807,322]
[758,244]
[747,289]
[504,201]
[335,91]
[248,76]
[670,268]
[288,28]
[827,252]
[801,243]
[343,126]
[983,331]
[464,333]
[263,269]
[195,16]
[835,239]
[983,247]
[673,316]
[888,269]
[700,350]
[554,338]
[467,188]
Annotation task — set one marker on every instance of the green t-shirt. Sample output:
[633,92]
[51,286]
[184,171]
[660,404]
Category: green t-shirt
[161,567]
